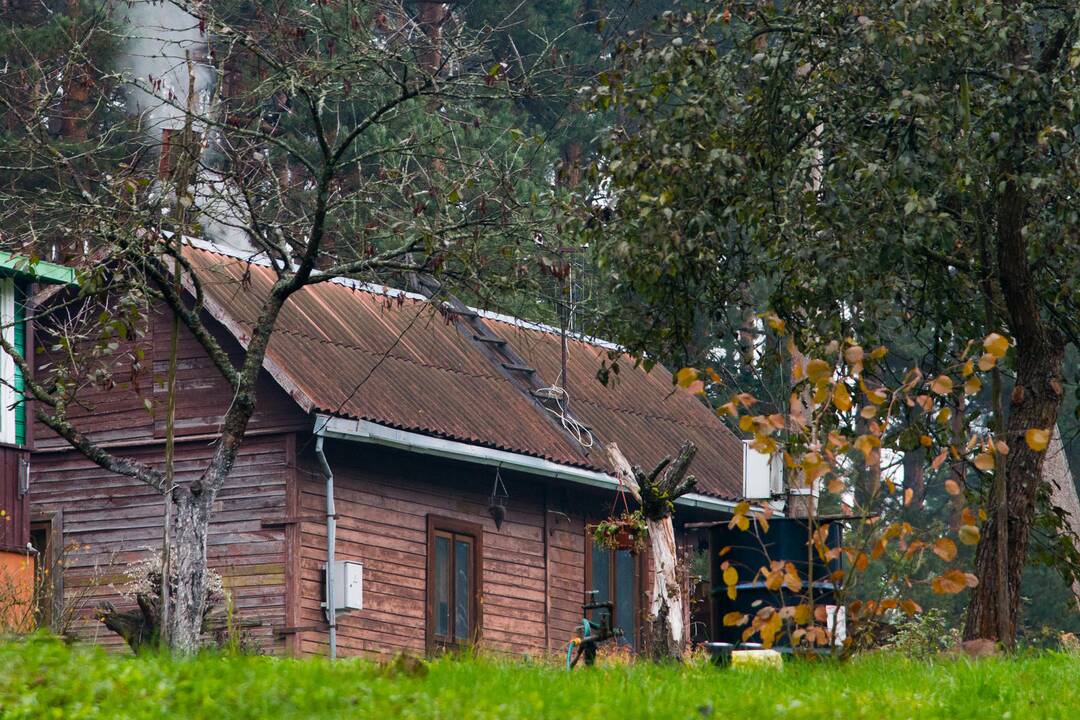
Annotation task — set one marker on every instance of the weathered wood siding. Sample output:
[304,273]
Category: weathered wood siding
[117,414]
[532,588]
[15,518]
[110,521]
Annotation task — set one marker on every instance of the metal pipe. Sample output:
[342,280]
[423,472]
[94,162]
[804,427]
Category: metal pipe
[331,533]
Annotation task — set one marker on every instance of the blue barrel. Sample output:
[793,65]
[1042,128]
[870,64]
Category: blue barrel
[787,540]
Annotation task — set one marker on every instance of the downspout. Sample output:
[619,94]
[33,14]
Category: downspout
[331,534]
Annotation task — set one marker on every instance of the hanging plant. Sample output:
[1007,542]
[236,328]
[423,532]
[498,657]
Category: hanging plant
[629,531]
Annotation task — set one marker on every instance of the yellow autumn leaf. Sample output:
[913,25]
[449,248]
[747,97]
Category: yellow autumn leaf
[945,549]
[821,393]
[984,461]
[734,618]
[987,362]
[943,416]
[742,522]
[841,397]
[968,534]
[949,583]
[731,575]
[876,396]
[942,385]
[818,370]
[969,368]
[866,444]
[853,355]
[879,352]
[972,386]
[1037,439]
[996,345]
[952,487]
[910,607]
[775,322]
[686,377]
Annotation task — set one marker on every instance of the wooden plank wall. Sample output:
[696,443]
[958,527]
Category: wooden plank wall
[117,414]
[532,590]
[15,519]
[110,521]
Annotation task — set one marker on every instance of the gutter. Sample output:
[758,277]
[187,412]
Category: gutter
[374,433]
[331,541]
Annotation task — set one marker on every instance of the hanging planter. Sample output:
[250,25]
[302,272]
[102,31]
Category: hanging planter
[496,505]
[629,531]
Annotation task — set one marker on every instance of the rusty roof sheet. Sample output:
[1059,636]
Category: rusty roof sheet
[395,359]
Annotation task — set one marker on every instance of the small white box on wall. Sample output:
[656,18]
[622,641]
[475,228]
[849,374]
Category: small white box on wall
[348,585]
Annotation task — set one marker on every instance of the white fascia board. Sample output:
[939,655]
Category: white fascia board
[369,432]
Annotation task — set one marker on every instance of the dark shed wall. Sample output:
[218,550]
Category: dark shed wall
[110,521]
[532,589]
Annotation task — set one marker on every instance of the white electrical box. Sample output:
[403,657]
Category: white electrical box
[763,475]
[348,585]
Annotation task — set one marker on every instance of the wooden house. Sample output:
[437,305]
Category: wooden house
[17,557]
[426,417]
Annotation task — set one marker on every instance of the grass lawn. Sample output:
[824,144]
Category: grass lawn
[41,678]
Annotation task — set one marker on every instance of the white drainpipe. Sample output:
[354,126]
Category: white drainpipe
[331,534]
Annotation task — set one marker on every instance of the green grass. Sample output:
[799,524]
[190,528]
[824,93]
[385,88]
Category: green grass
[41,678]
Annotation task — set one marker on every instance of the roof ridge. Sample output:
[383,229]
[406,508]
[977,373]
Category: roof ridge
[379,289]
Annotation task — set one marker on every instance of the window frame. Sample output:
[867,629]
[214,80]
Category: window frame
[441,526]
[51,524]
[8,395]
[638,592]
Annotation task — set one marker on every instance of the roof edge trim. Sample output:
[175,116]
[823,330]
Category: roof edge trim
[368,432]
[37,270]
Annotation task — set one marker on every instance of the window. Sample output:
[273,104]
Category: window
[616,576]
[454,571]
[46,536]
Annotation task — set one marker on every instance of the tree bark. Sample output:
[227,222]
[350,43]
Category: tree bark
[1035,401]
[666,632]
[191,522]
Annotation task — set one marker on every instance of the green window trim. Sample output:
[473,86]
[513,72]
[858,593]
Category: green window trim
[20,345]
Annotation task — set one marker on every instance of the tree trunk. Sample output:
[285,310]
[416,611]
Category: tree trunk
[77,83]
[1035,401]
[431,17]
[191,522]
[665,628]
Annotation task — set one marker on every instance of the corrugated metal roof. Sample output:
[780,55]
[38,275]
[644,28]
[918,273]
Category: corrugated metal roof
[350,351]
